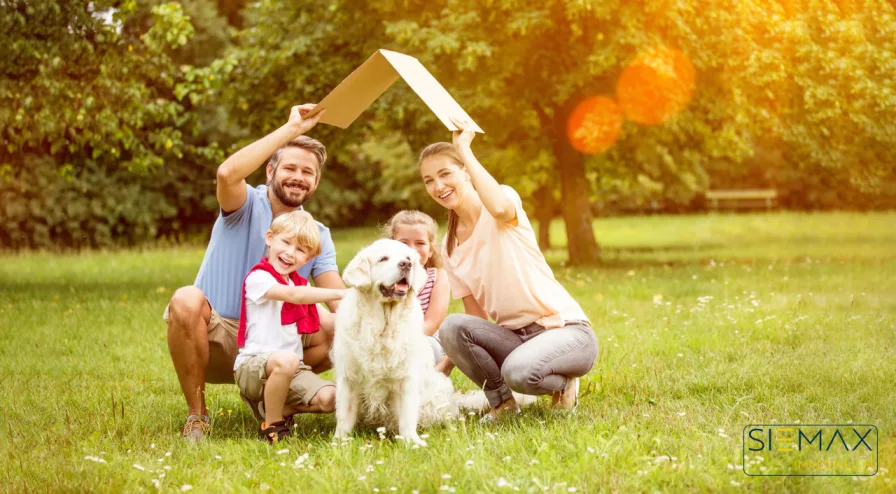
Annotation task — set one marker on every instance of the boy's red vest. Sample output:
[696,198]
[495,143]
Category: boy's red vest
[303,315]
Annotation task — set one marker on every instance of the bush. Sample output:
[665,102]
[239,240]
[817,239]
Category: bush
[44,206]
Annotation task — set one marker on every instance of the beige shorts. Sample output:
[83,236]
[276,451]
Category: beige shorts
[222,346]
[251,377]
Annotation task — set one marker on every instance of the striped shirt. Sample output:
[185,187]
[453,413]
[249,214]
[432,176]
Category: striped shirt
[426,293]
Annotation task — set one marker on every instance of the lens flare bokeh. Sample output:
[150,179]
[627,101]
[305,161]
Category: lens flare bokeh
[656,86]
[594,125]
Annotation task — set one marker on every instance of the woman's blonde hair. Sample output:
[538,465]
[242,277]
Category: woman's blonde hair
[302,229]
[445,149]
[413,218]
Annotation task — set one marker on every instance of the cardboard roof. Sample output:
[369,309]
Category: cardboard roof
[359,90]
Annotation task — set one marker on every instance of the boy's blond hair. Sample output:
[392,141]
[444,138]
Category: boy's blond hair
[302,228]
[412,218]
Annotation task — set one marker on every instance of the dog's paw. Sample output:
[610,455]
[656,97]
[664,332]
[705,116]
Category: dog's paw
[416,440]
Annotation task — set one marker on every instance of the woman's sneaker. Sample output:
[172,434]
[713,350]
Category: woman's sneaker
[275,432]
[568,399]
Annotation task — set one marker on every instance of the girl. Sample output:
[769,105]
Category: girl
[540,341]
[418,231]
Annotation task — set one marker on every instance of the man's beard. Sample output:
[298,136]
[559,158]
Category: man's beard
[288,199]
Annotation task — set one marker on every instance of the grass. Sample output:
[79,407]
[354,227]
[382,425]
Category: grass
[706,324]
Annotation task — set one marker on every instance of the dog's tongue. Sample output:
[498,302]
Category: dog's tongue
[402,284]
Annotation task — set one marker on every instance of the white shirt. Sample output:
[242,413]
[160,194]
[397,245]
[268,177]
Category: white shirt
[264,333]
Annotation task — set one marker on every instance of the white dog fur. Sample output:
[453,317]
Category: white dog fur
[382,362]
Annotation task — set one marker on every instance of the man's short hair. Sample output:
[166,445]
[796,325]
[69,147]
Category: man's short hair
[302,142]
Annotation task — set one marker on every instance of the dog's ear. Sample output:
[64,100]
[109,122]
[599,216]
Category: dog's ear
[418,275]
[357,273]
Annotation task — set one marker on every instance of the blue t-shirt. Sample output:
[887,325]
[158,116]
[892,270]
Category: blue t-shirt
[237,244]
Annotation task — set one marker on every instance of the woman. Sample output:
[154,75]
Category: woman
[540,341]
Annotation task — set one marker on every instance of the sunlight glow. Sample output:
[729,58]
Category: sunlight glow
[656,86]
[594,125]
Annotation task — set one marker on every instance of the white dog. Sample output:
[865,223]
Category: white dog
[383,364]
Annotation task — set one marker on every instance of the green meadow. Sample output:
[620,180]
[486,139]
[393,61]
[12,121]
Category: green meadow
[706,324]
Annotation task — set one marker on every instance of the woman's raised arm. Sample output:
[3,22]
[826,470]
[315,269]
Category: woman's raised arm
[498,205]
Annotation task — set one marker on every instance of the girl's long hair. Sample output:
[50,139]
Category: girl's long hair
[445,149]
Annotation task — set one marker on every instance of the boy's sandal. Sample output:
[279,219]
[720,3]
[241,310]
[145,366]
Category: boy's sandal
[273,433]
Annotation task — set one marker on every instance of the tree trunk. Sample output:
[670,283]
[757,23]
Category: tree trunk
[581,243]
[544,213]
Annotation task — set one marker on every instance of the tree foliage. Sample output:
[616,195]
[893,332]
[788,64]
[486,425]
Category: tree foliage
[88,111]
[798,95]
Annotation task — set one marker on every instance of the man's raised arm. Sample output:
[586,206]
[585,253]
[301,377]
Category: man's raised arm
[231,183]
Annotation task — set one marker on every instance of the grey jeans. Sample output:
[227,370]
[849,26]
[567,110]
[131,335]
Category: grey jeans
[531,360]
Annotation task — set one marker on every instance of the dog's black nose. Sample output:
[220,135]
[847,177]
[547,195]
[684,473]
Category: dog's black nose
[405,264]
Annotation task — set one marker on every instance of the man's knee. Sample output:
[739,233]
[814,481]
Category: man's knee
[186,306]
[318,345]
[326,399]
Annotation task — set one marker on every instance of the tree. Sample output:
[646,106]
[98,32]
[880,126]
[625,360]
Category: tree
[88,110]
[524,67]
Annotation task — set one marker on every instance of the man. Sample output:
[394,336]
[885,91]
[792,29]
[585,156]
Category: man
[203,319]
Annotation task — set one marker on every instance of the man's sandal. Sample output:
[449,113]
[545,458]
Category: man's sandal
[196,428]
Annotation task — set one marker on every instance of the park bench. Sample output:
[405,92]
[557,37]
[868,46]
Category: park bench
[748,198]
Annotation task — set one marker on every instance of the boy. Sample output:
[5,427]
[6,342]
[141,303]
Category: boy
[278,308]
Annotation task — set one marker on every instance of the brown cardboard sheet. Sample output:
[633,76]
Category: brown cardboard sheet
[363,86]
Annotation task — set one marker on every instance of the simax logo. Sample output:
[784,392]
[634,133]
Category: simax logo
[785,435]
[810,449]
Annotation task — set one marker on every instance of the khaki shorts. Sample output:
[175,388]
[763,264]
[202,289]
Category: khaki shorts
[251,377]
[222,347]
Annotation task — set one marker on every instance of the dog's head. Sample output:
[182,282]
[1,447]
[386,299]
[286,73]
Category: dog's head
[388,268]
